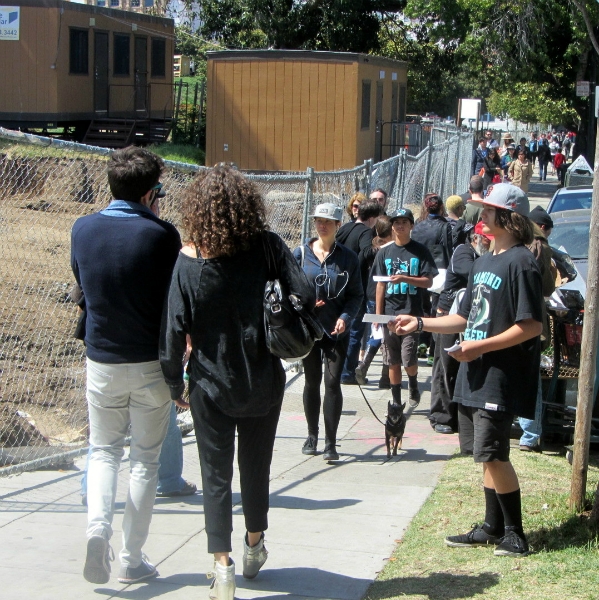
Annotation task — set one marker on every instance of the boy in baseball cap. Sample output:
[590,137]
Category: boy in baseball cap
[501,317]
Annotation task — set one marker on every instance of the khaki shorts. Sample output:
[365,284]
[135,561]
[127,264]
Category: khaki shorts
[402,349]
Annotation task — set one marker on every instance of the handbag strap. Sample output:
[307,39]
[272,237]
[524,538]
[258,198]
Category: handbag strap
[268,251]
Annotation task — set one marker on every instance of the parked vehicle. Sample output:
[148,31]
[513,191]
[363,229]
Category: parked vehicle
[574,197]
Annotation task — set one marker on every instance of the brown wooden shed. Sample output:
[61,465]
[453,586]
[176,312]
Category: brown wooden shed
[71,63]
[292,109]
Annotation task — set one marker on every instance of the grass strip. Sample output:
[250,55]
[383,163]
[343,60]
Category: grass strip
[565,560]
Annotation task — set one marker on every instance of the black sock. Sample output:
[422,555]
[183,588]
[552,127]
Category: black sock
[396,393]
[512,511]
[413,382]
[493,524]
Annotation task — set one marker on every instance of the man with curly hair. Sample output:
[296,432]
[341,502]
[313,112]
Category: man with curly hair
[122,258]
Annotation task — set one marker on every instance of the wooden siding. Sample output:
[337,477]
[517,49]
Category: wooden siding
[281,114]
[37,90]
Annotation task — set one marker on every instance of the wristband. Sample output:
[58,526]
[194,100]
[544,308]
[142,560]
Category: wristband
[420,324]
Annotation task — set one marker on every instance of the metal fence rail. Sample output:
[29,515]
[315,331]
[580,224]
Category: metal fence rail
[46,184]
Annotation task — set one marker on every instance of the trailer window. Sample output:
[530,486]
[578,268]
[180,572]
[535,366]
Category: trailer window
[79,52]
[121,54]
[114,3]
[158,57]
[366,86]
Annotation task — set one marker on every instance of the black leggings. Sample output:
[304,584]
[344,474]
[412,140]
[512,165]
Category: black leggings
[332,353]
[215,435]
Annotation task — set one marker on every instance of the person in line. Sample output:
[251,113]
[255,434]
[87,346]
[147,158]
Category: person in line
[478,157]
[456,207]
[443,414]
[411,269]
[334,272]
[358,237]
[235,383]
[533,148]
[473,198]
[384,235]
[508,158]
[379,195]
[491,141]
[492,168]
[559,162]
[507,142]
[520,171]
[122,259]
[544,156]
[532,429]
[500,315]
[354,204]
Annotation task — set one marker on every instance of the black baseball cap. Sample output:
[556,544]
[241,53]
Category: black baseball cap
[402,213]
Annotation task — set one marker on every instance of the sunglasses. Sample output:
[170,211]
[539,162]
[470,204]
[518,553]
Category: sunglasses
[355,206]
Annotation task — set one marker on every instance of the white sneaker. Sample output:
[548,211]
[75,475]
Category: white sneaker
[223,586]
[253,557]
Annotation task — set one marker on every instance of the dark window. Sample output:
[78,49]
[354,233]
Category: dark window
[121,54]
[101,3]
[365,104]
[79,52]
[158,58]
[114,2]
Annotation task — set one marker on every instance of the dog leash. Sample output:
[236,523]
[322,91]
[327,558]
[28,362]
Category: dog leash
[370,407]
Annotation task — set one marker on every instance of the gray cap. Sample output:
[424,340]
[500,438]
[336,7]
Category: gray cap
[508,196]
[328,211]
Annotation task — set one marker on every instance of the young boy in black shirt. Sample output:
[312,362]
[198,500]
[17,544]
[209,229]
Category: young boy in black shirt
[501,318]
[410,268]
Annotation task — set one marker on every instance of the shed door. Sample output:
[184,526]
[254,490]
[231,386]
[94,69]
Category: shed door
[141,75]
[378,136]
[100,73]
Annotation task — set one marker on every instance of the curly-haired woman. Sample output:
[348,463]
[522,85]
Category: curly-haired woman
[354,204]
[235,383]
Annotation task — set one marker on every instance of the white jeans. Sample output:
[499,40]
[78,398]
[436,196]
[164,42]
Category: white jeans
[118,396]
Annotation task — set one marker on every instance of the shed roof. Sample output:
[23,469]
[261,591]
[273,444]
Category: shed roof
[307,56]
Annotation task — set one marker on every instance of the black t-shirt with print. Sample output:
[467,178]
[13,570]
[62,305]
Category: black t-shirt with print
[412,259]
[457,274]
[502,289]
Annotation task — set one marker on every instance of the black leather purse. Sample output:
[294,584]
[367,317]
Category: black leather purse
[291,329]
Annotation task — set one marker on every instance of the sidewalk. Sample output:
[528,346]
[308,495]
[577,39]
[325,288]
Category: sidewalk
[332,526]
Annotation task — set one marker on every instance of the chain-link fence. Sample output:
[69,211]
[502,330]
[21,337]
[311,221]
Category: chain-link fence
[46,184]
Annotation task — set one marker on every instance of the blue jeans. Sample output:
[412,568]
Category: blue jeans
[533,428]
[372,343]
[542,169]
[356,331]
[171,460]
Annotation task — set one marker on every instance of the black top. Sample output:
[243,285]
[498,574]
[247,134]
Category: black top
[411,259]
[502,290]
[457,274]
[435,233]
[219,302]
[355,236]
[337,281]
[122,259]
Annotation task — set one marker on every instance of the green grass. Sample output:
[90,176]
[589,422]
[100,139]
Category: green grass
[179,152]
[565,562]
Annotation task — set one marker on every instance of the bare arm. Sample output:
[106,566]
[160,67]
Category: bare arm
[380,298]
[422,282]
[449,324]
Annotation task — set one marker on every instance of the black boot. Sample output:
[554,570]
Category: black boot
[384,381]
[414,397]
[363,365]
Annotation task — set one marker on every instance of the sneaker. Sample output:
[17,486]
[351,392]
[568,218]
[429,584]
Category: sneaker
[422,350]
[97,561]
[361,371]
[512,544]
[136,574]
[188,489]
[223,584]
[430,361]
[535,448]
[414,397]
[439,428]
[476,537]
[329,452]
[253,557]
[309,446]
[384,383]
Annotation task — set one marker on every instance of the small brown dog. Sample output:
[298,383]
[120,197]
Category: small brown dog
[395,425]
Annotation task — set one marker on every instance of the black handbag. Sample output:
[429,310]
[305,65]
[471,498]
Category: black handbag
[291,330]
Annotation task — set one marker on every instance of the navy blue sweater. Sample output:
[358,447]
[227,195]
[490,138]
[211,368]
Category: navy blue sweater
[123,258]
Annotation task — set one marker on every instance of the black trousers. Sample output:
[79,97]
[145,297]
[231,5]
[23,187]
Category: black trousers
[445,370]
[332,353]
[215,434]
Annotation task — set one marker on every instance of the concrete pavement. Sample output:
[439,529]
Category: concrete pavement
[332,526]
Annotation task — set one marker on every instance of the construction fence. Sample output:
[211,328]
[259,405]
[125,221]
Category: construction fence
[46,184]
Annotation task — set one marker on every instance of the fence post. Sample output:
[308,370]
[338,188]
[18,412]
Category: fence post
[427,169]
[404,170]
[307,202]
[368,170]
[457,165]
[445,160]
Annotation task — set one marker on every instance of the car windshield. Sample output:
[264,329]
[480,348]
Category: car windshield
[572,201]
[573,236]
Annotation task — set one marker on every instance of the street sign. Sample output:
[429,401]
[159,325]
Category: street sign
[583,88]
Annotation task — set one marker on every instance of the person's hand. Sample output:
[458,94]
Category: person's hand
[403,324]
[181,403]
[397,278]
[187,349]
[339,327]
[319,303]
[467,352]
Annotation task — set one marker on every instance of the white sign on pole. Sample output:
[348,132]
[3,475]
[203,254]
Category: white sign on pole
[469,108]
[10,19]
[583,88]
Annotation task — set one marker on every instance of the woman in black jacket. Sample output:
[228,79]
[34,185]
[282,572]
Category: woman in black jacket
[235,383]
[492,166]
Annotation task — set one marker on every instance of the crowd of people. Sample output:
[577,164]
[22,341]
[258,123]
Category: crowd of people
[511,162]
[159,310]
